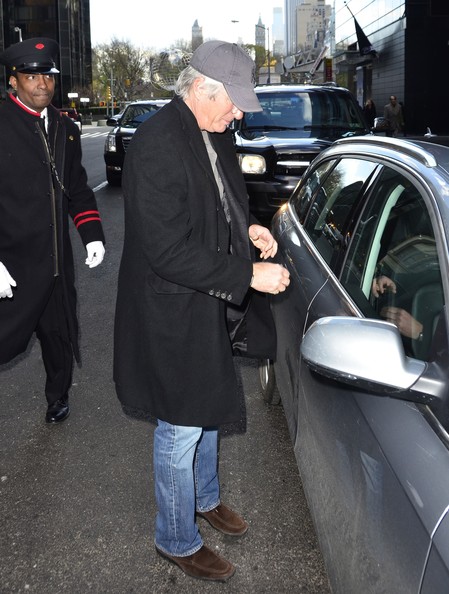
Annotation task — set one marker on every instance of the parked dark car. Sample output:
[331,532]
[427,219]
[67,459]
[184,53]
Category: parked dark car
[277,145]
[362,365]
[118,139]
[72,113]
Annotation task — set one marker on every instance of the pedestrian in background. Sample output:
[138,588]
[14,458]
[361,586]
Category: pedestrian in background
[395,117]
[42,183]
[188,287]
[370,112]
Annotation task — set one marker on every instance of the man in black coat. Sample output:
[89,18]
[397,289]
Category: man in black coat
[42,183]
[184,295]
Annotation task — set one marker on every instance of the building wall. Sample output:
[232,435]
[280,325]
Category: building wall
[411,41]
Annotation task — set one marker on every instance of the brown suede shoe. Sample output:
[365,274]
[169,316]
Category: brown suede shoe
[225,520]
[204,565]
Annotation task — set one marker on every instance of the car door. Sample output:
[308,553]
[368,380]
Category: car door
[375,469]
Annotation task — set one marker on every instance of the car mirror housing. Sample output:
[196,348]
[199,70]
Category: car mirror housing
[368,354]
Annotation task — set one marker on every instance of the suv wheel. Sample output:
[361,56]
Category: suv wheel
[113,178]
[267,378]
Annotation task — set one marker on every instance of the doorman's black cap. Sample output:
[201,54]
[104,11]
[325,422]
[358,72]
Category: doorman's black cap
[32,56]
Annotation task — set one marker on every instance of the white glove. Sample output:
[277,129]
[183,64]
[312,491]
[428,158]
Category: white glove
[6,282]
[95,253]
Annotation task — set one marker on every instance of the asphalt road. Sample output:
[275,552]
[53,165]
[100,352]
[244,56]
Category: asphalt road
[76,499]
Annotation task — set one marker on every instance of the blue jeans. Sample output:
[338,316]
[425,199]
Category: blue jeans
[185,465]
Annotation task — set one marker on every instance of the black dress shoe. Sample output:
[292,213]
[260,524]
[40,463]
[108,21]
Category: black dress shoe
[58,411]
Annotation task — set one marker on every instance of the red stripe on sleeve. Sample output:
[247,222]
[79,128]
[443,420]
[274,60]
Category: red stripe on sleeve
[83,214]
[86,221]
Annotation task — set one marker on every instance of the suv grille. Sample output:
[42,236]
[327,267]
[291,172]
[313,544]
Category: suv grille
[125,142]
[293,163]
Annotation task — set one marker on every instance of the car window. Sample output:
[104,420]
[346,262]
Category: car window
[392,269]
[305,192]
[331,211]
[136,114]
[304,115]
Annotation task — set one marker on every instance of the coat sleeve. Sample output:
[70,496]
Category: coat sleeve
[83,207]
[172,213]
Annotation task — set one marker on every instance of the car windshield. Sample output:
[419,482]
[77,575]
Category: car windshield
[136,114]
[304,115]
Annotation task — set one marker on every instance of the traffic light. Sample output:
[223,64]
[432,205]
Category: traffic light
[108,93]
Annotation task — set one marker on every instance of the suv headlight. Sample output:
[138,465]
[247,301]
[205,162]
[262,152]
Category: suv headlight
[252,164]
[109,145]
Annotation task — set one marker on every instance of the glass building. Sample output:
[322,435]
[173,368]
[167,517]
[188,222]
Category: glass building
[66,21]
[409,39]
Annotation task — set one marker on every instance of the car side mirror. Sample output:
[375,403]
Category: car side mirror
[381,125]
[365,353]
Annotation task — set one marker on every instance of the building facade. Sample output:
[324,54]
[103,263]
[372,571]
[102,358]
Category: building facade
[197,35]
[410,40]
[291,40]
[66,22]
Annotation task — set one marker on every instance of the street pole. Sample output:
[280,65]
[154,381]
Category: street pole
[269,57]
[112,92]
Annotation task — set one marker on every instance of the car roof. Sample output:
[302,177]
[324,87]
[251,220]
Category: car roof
[430,154]
[149,102]
[270,88]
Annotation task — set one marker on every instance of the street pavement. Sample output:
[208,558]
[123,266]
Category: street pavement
[76,499]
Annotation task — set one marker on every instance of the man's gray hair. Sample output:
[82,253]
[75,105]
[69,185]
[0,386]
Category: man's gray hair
[187,78]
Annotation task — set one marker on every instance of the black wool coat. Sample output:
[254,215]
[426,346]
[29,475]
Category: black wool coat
[172,352]
[34,213]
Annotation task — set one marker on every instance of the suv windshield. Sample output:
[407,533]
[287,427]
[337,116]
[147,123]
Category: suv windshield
[134,115]
[303,115]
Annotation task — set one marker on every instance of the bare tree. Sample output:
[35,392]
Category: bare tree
[122,69]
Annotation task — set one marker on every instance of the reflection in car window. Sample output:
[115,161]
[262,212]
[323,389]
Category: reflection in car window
[305,192]
[392,269]
[330,213]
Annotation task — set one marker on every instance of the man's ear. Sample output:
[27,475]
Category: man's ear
[197,86]
[13,82]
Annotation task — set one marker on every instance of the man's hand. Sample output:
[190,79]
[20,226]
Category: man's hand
[270,278]
[263,240]
[381,284]
[95,253]
[405,322]
[6,282]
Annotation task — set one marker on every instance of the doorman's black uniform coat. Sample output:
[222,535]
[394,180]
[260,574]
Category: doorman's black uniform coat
[173,356]
[34,232]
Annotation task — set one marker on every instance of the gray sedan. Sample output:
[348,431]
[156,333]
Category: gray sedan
[362,363]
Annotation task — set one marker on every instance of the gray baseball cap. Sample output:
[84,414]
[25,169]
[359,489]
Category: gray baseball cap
[229,64]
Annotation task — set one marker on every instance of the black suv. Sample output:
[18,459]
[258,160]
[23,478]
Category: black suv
[276,146]
[118,139]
